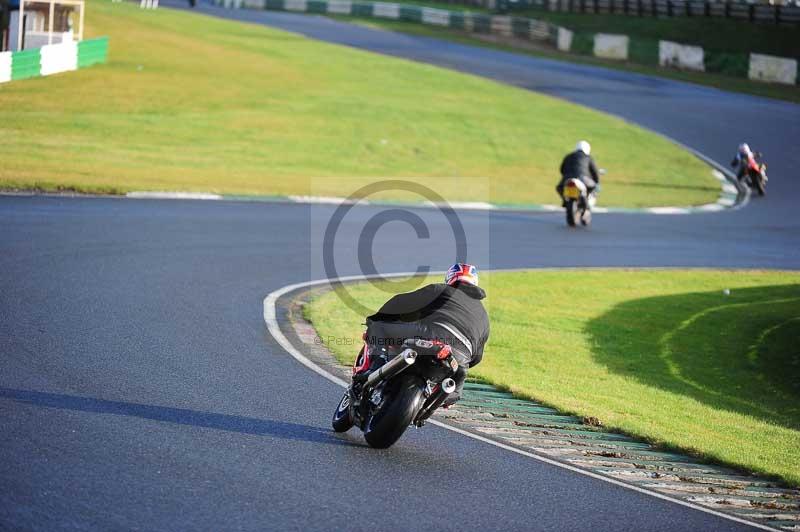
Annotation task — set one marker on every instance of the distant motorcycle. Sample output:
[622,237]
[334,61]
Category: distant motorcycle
[393,388]
[755,175]
[578,202]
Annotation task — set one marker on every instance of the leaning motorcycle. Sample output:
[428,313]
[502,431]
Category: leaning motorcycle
[578,202]
[396,387]
[756,175]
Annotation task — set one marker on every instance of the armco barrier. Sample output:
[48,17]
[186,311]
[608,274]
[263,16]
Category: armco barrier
[26,64]
[52,59]
[521,28]
[608,46]
[339,7]
[774,69]
[733,9]
[384,10]
[501,26]
[5,66]
[760,13]
[564,42]
[92,52]
[672,54]
[57,58]
[435,17]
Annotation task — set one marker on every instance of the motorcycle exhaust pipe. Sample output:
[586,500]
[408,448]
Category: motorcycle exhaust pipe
[392,368]
[448,386]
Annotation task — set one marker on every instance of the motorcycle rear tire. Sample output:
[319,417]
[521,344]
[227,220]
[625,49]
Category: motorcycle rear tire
[395,415]
[572,212]
[343,417]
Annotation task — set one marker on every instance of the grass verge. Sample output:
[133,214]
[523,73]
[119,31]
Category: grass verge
[193,103]
[660,354]
[639,50]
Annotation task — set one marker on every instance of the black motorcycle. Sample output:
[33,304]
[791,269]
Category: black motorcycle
[396,387]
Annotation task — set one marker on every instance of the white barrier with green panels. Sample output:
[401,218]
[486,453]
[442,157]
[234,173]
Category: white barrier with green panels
[607,46]
[52,59]
[522,28]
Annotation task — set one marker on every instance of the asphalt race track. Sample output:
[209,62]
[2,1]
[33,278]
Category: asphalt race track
[140,389]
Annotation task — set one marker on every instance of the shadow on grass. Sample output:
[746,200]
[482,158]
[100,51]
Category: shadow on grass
[739,352]
[179,416]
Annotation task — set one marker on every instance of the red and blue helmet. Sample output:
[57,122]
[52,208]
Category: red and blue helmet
[463,273]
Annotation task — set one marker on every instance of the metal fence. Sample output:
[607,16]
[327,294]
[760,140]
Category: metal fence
[659,8]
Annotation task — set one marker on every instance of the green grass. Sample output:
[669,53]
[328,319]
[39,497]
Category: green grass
[192,103]
[661,354]
[644,52]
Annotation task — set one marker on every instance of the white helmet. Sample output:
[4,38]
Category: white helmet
[744,148]
[584,147]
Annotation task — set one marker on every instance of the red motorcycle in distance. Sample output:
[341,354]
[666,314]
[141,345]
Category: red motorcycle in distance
[751,170]
[755,174]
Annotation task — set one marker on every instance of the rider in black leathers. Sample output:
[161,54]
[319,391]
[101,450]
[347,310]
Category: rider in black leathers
[580,165]
[450,312]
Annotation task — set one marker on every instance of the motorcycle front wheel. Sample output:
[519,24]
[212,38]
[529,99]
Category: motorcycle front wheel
[760,186]
[343,417]
[395,414]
